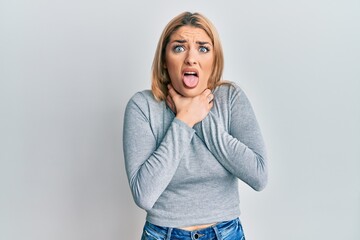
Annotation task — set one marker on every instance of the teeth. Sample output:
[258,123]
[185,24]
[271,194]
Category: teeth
[190,73]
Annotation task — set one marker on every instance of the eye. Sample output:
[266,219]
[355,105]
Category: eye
[178,48]
[204,49]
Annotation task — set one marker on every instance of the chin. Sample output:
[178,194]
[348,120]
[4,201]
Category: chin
[186,92]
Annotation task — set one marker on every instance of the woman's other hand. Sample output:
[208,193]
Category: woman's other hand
[190,110]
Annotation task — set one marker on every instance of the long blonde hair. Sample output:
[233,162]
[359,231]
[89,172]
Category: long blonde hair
[160,76]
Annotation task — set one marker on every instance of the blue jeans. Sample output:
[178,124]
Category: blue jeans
[228,230]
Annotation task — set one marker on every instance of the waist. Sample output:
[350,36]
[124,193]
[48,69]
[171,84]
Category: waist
[197,227]
[207,231]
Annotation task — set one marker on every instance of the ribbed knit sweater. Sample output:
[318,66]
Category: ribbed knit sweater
[185,176]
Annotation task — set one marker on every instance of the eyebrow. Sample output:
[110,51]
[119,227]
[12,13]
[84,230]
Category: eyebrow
[202,43]
[184,41]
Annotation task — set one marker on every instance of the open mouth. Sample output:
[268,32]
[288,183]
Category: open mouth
[190,73]
[190,79]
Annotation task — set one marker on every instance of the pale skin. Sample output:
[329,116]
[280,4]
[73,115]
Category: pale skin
[190,49]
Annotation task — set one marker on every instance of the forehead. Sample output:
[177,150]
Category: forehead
[190,33]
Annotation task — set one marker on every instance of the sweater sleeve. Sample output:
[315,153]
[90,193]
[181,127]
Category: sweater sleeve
[240,149]
[151,163]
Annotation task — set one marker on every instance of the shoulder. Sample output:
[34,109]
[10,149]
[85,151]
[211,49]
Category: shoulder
[145,102]
[143,98]
[228,90]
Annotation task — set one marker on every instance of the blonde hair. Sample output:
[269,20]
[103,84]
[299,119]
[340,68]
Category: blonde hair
[160,76]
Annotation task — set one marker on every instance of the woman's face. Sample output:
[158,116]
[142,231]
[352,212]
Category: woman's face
[189,60]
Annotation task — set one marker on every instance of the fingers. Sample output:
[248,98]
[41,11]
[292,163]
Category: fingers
[211,104]
[208,94]
[170,103]
[190,110]
[173,96]
[210,97]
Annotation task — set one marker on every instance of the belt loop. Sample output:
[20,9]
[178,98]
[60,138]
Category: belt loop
[216,232]
[168,235]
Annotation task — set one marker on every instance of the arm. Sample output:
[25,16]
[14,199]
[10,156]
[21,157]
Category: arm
[241,149]
[151,166]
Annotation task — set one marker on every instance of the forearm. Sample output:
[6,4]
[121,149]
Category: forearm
[247,161]
[150,165]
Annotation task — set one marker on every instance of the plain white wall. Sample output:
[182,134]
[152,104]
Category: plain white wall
[67,69]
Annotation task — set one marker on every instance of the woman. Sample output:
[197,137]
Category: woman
[189,139]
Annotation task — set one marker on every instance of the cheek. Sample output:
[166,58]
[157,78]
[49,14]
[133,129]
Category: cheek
[172,73]
[172,66]
[208,67]
[170,69]
[210,62]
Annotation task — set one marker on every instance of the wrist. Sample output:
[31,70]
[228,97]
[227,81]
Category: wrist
[185,120]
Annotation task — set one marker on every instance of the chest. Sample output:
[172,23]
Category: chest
[197,162]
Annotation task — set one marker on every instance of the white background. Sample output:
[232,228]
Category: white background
[67,69]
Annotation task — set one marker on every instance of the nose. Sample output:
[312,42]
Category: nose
[191,57]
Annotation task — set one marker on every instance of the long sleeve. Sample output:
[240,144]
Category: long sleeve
[151,162]
[238,143]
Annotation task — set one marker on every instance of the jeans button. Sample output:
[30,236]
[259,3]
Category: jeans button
[196,236]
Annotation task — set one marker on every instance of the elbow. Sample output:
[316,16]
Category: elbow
[142,199]
[261,181]
[257,181]
[143,203]
[260,185]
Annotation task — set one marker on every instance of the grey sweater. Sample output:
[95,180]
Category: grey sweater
[185,176]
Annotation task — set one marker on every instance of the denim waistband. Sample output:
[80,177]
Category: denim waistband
[211,232]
